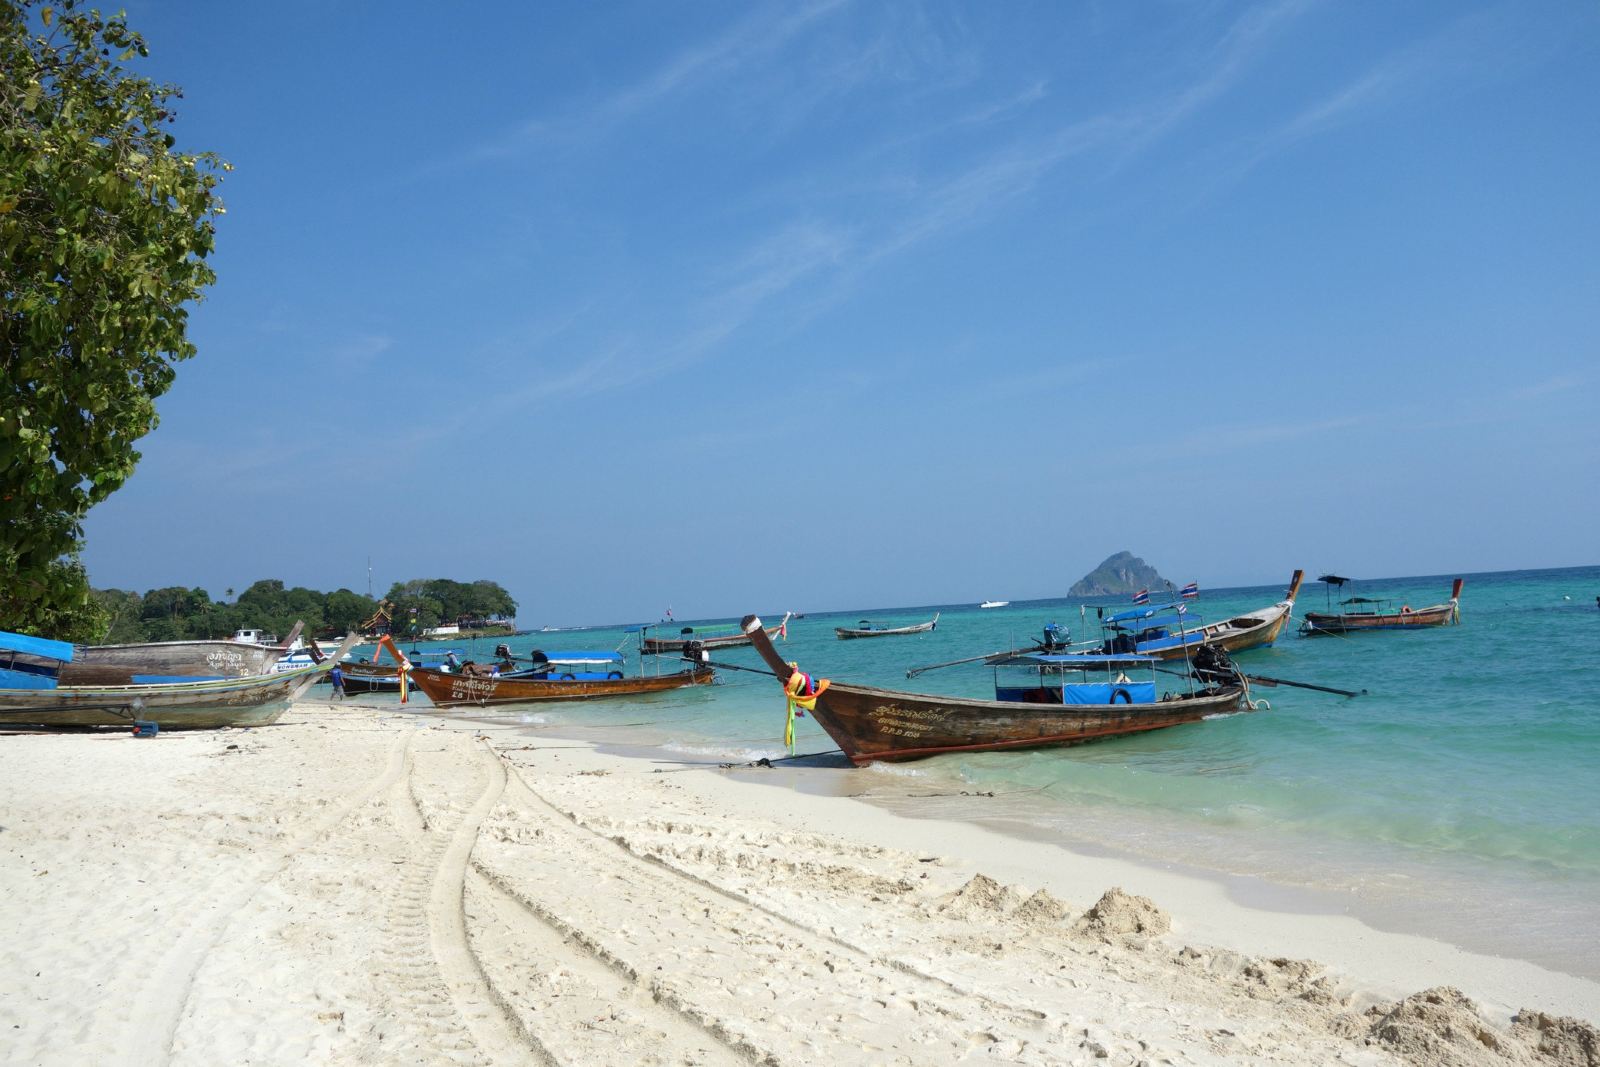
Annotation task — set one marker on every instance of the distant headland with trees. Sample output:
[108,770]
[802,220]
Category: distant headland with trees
[408,610]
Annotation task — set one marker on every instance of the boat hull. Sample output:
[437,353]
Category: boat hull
[871,724]
[114,665]
[1318,622]
[847,634]
[255,701]
[458,690]
[370,678]
[658,646]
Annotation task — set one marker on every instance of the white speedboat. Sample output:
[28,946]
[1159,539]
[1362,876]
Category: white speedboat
[994,603]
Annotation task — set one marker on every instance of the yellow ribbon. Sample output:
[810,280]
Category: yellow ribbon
[794,689]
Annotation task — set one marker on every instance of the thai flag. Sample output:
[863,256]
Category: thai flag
[1190,591]
[1142,597]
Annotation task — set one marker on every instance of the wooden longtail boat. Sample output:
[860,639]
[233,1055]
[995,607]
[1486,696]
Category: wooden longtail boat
[370,677]
[38,700]
[171,661]
[868,630]
[869,724]
[1369,613]
[656,646]
[449,690]
[1145,631]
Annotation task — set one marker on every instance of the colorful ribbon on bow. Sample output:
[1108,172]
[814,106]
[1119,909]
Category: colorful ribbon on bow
[802,691]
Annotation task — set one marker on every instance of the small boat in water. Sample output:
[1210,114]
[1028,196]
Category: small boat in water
[994,603]
[1360,613]
[870,629]
[552,676]
[32,695]
[1038,710]
[1160,630]
[709,638]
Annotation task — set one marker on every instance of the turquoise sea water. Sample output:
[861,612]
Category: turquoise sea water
[1459,798]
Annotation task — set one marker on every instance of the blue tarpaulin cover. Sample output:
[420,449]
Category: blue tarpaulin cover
[1100,692]
[1147,613]
[1052,659]
[36,646]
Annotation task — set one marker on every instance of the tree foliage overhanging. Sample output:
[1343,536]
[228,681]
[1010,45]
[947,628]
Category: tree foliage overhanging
[104,232]
[177,614]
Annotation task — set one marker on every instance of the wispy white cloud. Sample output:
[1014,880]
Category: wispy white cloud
[747,43]
[359,352]
[1464,52]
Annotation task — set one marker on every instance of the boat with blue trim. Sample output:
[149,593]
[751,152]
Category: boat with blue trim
[32,693]
[1035,705]
[1162,631]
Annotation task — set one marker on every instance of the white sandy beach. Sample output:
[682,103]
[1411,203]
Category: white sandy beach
[359,885]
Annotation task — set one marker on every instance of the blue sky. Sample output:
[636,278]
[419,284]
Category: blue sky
[731,307]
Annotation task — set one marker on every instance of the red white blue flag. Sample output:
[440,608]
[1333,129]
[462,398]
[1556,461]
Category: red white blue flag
[1190,591]
[1142,597]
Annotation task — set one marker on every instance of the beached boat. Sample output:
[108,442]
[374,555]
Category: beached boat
[869,629]
[994,603]
[1039,710]
[1359,613]
[33,696]
[553,676]
[151,662]
[708,638]
[1159,630]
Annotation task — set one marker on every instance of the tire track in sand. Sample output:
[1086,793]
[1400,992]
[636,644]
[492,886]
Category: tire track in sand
[646,922]
[164,994]
[448,1008]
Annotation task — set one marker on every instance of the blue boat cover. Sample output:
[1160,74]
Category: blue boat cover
[1069,659]
[583,657]
[174,679]
[1100,692]
[36,646]
[1146,613]
[26,680]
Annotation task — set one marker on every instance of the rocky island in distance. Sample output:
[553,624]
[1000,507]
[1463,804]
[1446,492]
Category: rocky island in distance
[1122,572]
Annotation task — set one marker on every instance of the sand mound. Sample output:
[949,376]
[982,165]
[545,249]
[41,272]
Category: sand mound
[1118,915]
[1040,910]
[1437,1027]
[981,895]
[1558,1039]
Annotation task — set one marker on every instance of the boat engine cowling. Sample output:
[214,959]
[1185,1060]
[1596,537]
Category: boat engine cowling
[1212,666]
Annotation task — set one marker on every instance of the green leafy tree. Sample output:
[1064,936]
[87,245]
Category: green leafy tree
[346,611]
[104,232]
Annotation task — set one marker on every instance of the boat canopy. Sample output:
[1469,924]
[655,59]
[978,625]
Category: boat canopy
[1364,600]
[1053,659]
[1333,579]
[1147,613]
[576,657]
[60,651]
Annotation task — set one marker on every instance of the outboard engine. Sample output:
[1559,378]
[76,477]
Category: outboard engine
[1213,667]
[1055,637]
[502,650]
[695,652]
